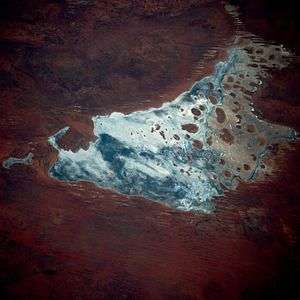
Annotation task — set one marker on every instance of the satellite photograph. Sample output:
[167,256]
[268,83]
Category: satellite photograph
[149,149]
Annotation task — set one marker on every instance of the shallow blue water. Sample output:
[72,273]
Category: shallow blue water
[150,153]
[27,160]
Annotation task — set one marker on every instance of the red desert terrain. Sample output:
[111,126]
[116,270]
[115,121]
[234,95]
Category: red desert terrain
[62,62]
